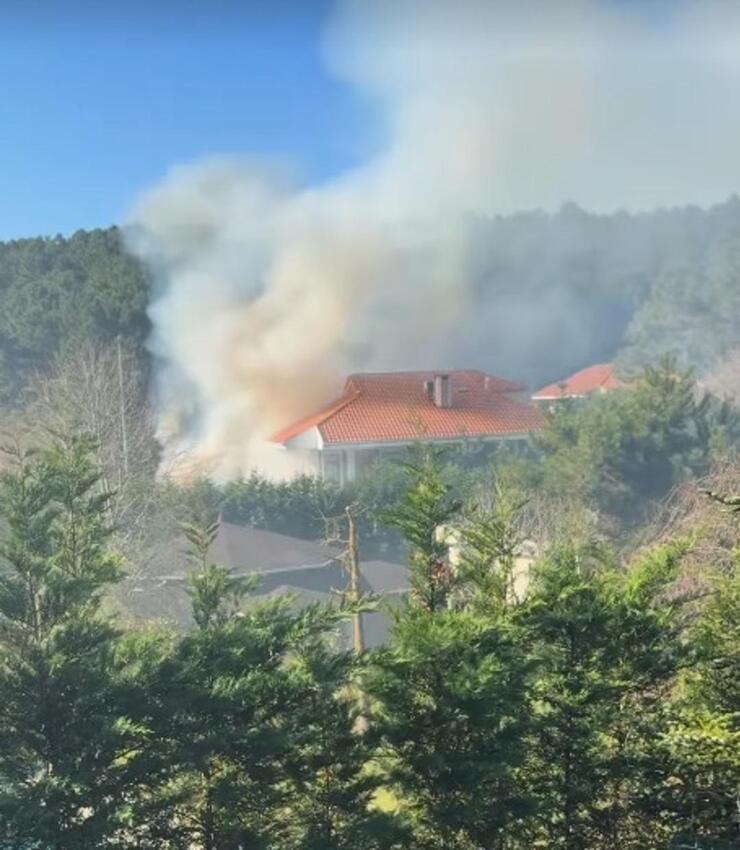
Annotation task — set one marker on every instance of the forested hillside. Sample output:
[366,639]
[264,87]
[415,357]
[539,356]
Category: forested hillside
[569,289]
[576,288]
[56,293]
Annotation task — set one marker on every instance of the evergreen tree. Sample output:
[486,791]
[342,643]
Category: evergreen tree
[56,293]
[63,738]
[212,700]
[222,716]
[216,595]
[423,517]
[491,540]
[329,764]
[626,450]
[701,796]
[608,648]
[450,703]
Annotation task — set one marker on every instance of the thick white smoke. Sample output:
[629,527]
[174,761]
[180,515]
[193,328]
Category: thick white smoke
[270,291]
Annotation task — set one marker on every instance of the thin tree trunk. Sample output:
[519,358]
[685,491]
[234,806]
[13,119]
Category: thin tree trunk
[355,580]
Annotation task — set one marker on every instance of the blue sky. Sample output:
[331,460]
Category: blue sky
[99,98]
[96,104]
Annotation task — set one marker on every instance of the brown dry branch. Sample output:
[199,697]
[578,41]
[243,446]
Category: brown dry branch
[712,529]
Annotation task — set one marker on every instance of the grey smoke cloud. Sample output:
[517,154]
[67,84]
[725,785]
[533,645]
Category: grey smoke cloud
[270,291]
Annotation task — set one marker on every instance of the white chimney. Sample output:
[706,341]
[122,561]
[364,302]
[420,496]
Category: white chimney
[442,391]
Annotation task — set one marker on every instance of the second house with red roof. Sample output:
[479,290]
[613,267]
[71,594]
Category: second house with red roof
[600,378]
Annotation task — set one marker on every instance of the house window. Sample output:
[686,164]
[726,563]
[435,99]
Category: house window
[365,459]
[333,467]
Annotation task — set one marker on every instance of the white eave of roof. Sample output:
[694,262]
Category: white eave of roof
[423,439]
[557,397]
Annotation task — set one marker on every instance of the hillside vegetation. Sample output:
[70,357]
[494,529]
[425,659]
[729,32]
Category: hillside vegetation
[56,293]
[555,291]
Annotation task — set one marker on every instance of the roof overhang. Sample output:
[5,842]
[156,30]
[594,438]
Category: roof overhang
[390,444]
[561,397]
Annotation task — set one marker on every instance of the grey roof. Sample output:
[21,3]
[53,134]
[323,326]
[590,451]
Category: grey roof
[381,577]
[303,596]
[306,570]
[168,602]
[153,600]
[243,550]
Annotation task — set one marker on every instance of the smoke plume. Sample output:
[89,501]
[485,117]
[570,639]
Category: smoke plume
[269,291]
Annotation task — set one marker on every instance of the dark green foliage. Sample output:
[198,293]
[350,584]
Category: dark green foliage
[216,594]
[607,644]
[62,738]
[422,517]
[699,800]
[57,292]
[596,707]
[215,716]
[624,450]
[250,728]
[553,292]
[558,291]
[450,691]
[331,778]
[492,539]
[452,718]
[300,507]
[702,744]
[204,713]
[297,508]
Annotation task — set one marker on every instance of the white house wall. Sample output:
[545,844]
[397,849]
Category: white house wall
[300,456]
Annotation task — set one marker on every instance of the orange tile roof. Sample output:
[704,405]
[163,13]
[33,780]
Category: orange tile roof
[393,407]
[600,377]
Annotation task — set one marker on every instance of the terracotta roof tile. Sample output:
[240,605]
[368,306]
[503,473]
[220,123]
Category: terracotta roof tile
[600,377]
[393,407]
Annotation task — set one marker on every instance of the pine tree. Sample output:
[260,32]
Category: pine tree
[450,702]
[491,541]
[228,710]
[216,594]
[422,518]
[449,693]
[702,745]
[329,765]
[63,738]
[214,702]
[626,449]
[608,648]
